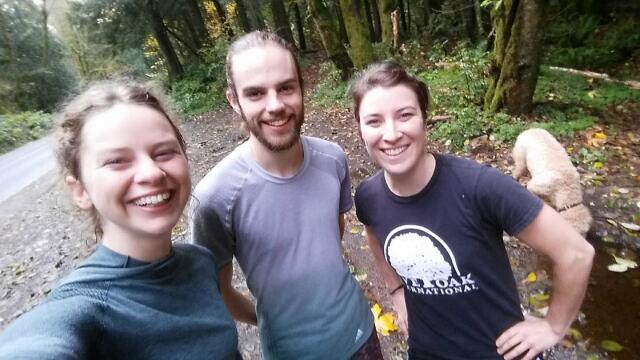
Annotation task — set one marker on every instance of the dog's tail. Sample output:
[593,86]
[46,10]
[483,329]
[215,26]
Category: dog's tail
[519,155]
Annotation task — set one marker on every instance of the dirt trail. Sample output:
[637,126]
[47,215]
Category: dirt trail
[41,239]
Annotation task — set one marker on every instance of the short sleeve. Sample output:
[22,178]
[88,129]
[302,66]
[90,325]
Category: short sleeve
[360,208]
[345,186]
[208,230]
[504,202]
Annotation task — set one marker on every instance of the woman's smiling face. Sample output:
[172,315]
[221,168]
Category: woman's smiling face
[392,127]
[133,172]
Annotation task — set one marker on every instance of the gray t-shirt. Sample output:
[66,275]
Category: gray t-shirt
[284,233]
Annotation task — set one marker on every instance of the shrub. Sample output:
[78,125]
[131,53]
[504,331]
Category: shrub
[203,86]
[20,128]
[330,90]
[577,90]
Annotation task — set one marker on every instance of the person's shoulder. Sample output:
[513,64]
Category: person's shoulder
[458,162]
[370,185]
[223,175]
[192,251]
[322,146]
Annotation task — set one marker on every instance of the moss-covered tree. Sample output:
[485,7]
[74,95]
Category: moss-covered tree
[327,29]
[281,20]
[386,7]
[356,24]
[518,26]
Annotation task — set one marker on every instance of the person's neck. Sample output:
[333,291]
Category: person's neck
[277,163]
[413,181]
[139,248]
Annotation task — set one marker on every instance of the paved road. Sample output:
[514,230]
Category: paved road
[24,165]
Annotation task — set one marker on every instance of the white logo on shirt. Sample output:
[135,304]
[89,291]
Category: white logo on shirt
[426,266]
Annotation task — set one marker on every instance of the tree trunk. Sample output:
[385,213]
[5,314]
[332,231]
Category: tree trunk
[12,75]
[478,13]
[281,20]
[375,14]
[196,43]
[254,12]
[386,7]
[302,44]
[403,17]
[241,15]
[361,50]
[45,34]
[174,68]
[341,26]
[331,42]
[367,11]
[420,11]
[515,61]
[193,10]
[222,16]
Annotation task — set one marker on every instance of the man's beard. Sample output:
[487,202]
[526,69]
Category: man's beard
[284,142]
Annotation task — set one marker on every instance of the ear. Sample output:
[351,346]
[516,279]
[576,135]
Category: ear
[78,193]
[233,100]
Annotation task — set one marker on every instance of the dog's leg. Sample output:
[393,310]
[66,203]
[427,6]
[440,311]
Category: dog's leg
[520,159]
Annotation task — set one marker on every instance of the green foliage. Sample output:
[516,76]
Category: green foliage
[583,42]
[331,90]
[461,82]
[466,124]
[458,86]
[203,86]
[457,89]
[20,128]
[33,76]
[576,90]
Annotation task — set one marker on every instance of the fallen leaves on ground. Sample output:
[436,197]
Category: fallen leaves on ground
[622,264]
[385,323]
[532,277]
[610,345]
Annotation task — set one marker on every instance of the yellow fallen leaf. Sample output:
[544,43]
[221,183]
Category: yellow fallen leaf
[376,310]
[385,323]
[622,264]
[617,268]
[575,334]
[630,226]
[538,300]
[532,277]
[598,165]
[354,230]
[611,345]
[600,135]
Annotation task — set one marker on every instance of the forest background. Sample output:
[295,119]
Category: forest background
[494,67]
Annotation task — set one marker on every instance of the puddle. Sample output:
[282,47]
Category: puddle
[612,307]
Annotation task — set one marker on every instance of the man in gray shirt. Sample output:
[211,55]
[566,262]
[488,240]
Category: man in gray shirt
[277,204]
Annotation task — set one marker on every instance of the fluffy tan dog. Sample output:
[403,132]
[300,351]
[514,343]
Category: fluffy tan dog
[553,176]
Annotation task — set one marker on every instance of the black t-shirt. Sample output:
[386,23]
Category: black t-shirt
[446,244]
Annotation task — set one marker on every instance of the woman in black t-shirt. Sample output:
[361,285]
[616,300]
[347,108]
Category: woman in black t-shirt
[435,223]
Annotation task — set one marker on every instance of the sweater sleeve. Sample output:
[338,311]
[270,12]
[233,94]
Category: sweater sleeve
[59,329]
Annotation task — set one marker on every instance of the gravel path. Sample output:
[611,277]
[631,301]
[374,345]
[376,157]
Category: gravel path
[42,239]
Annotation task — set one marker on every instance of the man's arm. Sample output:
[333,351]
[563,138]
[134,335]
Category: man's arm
[572,257]
[341,224]
[239,306]
[391,278]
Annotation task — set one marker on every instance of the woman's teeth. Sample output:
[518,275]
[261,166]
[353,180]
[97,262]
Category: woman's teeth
[153,199]
[395,151]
